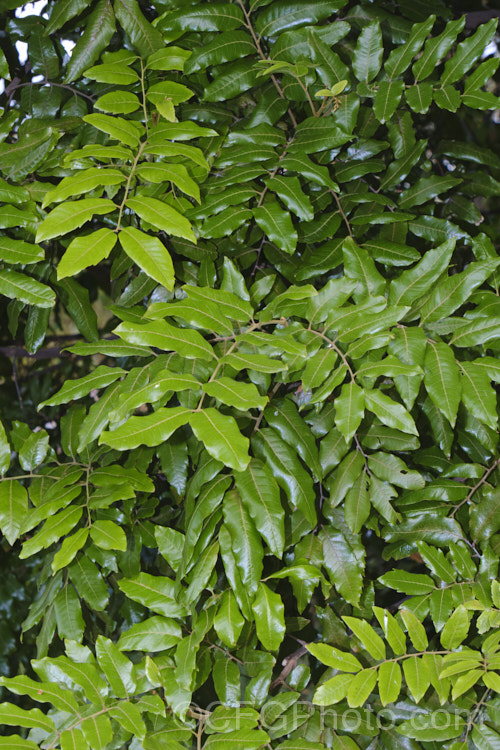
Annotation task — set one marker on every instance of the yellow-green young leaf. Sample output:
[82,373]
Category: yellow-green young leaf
[20,287]
[159,333]
[53,529]
[168,58]
[83,182]
[129,716]
[119,129]
[71,215]
[261,497]
[368,637]
[333,691]
[408,583]
[154,634]
[19,252]
[118,73]
[361,686]
[155,592]
[11,715]
[442,379]
[150,254]
[492,681]
[85,251]
[199,314]
[13,508]
[390,412]
[332,657]
[162,216]
[437,562]
[4,450]
[69,548]
[108,535]
[232,392]
[150,430]
[456,628]
[269,617]
[116,667]
[392,631]
[389,682]
[73,389]
[222,438]
[417,677]
[73,739]
[97,731]
[465,682]
[416,630]
[118,102]
[228,621]
[42,692]
[350,409]
[175,173]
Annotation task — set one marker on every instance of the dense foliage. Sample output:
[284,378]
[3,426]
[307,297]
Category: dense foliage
[249,453]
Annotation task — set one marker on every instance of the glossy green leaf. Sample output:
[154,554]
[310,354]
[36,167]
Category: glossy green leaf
[387,99]
[368,54]
[117,127]
[71,215]
[116,667]
[468,52]
[13,508]
[268,611]
[437,726]
[166,337]
[332,657]
[221,437]
[442,379]
[73,389]
[228,621]
[20,287]
[153,634]
[242,396]
[246,543]
[150,254]
[144,36]
[86,251]
[162,216]
[99,29]
[389,681]
[151,430]
[350,408]
[261,497]
[390,412]
[108,535]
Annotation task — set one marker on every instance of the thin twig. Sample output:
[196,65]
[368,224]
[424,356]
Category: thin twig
[260,51]
[341,211]
[476,487]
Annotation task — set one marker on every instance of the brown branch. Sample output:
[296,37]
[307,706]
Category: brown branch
[289,663]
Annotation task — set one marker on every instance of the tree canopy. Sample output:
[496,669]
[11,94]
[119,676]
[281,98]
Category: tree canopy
[249,288]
